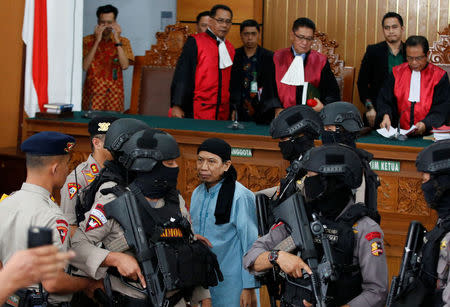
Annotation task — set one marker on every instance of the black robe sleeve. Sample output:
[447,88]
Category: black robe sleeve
[363,78]
[386,101]
[269,95]
[183,82]
[236,80]
[328,86]
[440,107]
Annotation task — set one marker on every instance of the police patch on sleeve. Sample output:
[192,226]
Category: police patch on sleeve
[97,218]
[376,248]
[73,188]
[94,168]
[62,227]
[373,235]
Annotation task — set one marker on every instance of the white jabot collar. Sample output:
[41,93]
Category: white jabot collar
[414,87]
[295,75]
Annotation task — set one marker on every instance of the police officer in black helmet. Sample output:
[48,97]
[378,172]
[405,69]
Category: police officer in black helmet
[431,287]
[342,123]
[332,172]
[296,128]
[148,157]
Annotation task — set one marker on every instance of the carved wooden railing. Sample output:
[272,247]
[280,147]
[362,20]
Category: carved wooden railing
[344,74]
[440,51]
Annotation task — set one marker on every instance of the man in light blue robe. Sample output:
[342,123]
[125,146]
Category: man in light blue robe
[223,211]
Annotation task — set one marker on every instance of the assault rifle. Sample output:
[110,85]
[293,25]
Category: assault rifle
[125,210]
[292,212]
[411,260]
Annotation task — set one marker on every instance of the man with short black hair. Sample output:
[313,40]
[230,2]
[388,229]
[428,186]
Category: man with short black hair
[105,54]
[252,87]
[416,93]
[202,21]
[85,172]
[47,159]
[201,82]
[378,62]
[299,64]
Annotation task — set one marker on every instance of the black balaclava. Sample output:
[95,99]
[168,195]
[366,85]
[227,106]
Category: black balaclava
[341,136]
[437,194]
[158,182]
[296,146]
[327,195]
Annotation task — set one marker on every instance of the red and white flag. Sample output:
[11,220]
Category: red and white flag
[53,34]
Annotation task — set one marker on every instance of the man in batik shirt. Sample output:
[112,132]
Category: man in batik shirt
[105,55]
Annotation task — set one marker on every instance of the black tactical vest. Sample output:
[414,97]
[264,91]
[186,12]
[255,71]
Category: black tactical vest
[342,240]
[190,263]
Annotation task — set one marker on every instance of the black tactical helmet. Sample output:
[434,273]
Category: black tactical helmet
[295,120]
[120,131]
[335,160]
[342,113]
[147,147]
[435,159]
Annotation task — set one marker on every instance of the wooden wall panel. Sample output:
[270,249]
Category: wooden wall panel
[11,15]
[353,23]
[187,11]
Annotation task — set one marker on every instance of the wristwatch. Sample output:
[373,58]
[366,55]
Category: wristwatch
[273,256]
[118,44]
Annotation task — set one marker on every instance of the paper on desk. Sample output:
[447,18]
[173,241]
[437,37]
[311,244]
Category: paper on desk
[392,131]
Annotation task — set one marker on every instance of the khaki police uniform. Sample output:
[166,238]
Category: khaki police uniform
[368,254]
[77,180]
[443,268]
[32,205]
[95,229]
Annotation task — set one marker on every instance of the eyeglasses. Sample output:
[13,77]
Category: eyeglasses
[210,163]
[417,58]
[223,21]
[304,38]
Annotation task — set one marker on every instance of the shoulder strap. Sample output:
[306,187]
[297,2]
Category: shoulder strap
[354,213]
[106,175]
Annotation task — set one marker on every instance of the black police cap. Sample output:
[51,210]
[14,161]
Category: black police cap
[435,158]
[48,143]
[295,120]
[100,124]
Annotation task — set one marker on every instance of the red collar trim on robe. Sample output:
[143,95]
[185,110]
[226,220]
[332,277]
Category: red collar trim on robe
[282,58]
[429,78]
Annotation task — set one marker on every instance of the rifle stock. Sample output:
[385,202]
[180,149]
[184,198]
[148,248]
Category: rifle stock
[125,211]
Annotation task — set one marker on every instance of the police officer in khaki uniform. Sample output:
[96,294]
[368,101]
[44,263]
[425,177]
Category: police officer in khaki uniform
[86,171]
[33,205]
[434,163]
[97,227]
[332,172]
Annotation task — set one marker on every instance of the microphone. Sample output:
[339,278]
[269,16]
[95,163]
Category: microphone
[398,136]
[235,125]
